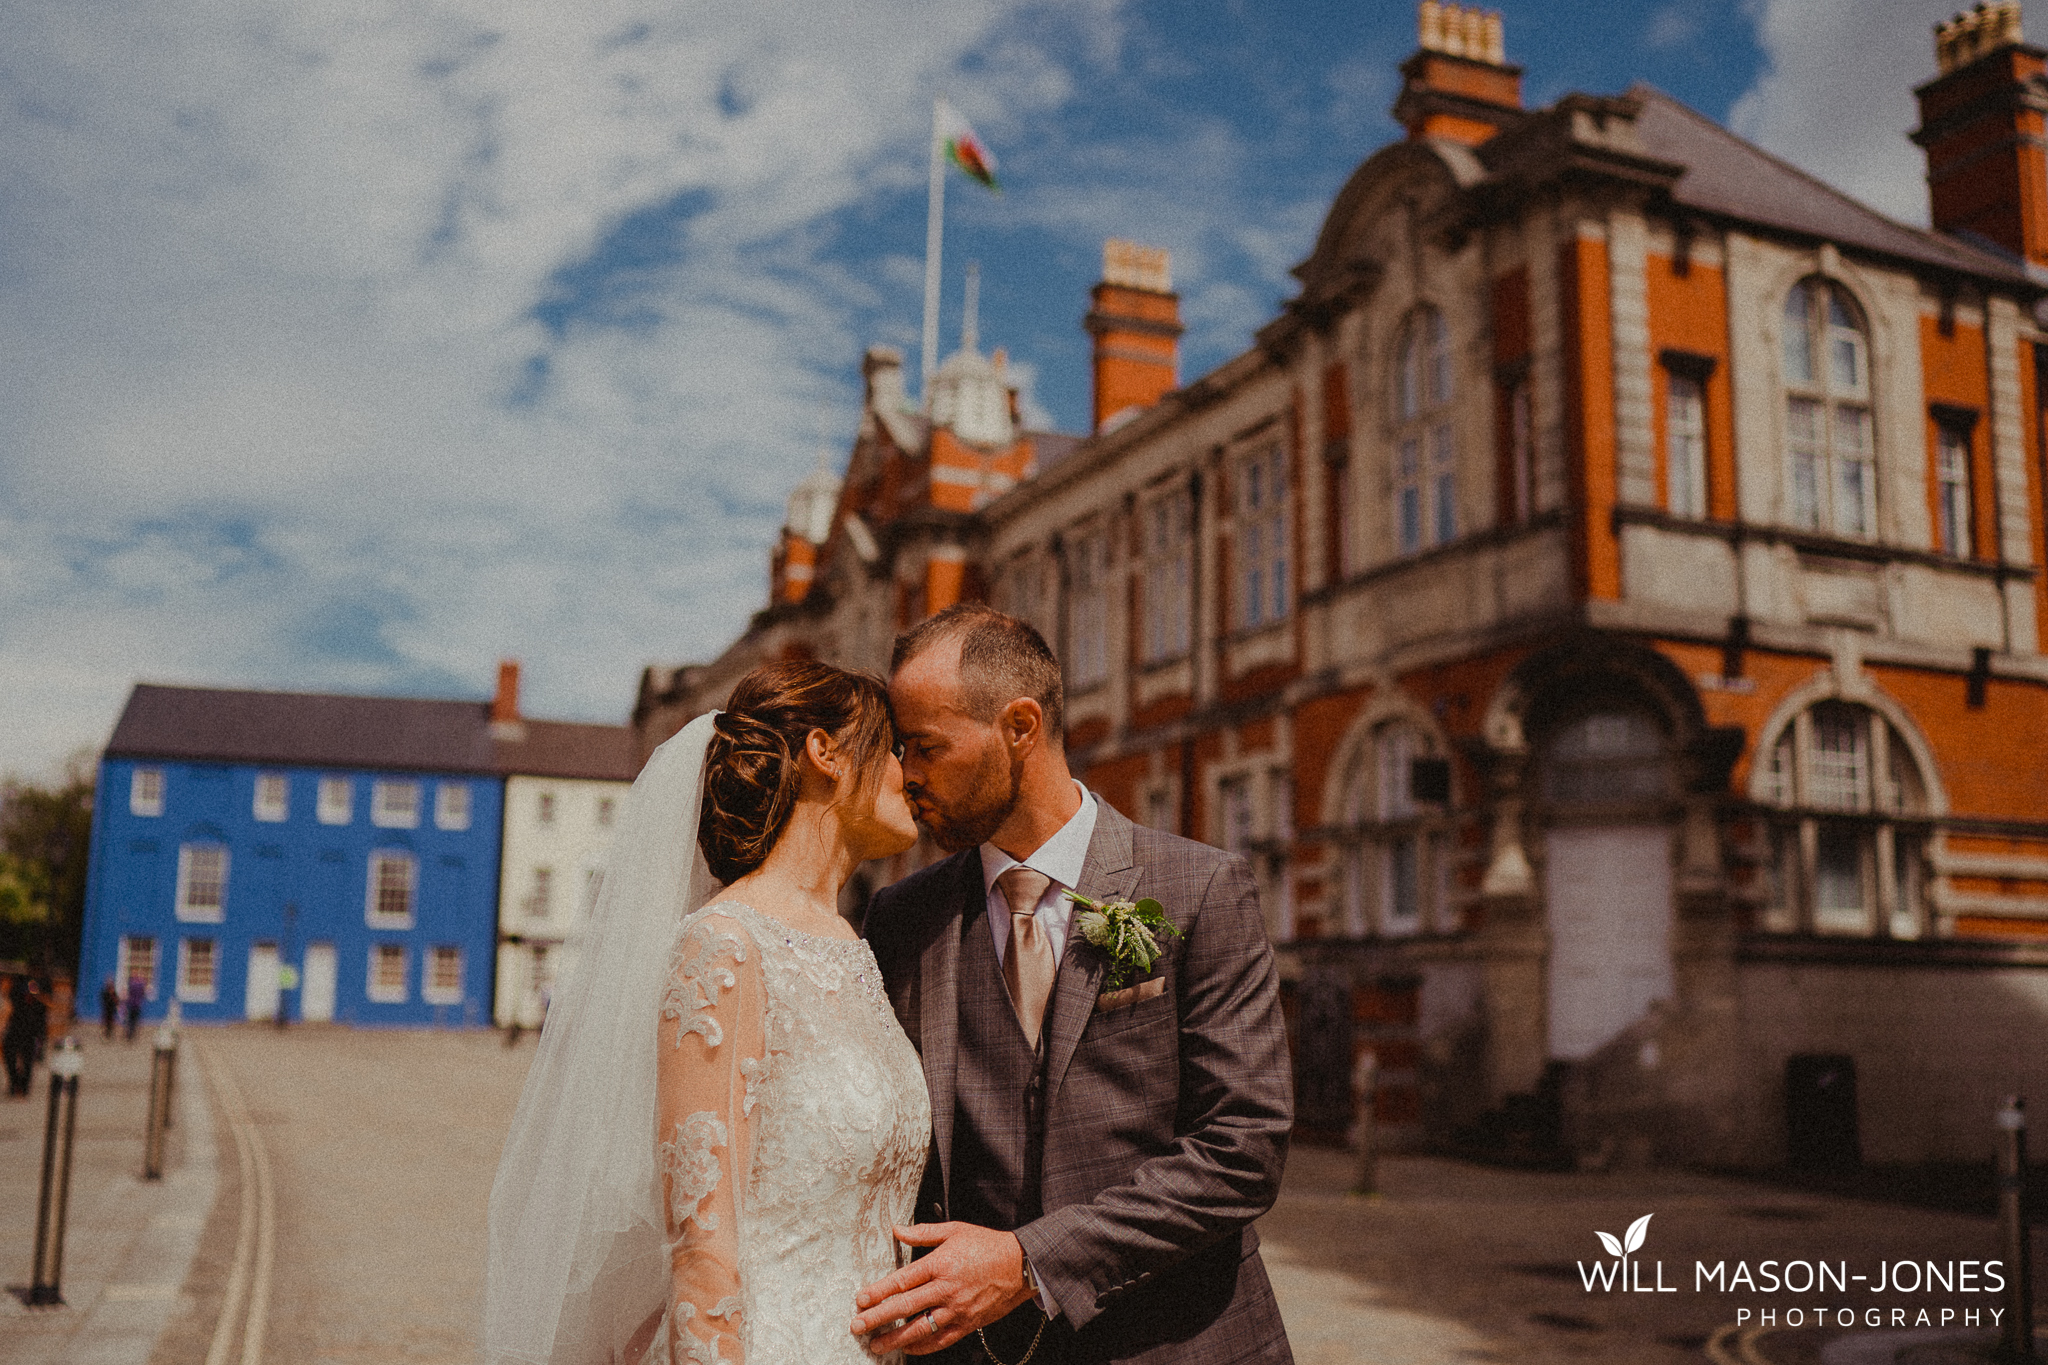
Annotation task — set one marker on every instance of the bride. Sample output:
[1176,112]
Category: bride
[724,1119]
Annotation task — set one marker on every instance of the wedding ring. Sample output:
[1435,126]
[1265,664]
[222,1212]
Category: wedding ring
[929,1325]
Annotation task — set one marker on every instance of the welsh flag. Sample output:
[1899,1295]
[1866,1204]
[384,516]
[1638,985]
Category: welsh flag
[965,149]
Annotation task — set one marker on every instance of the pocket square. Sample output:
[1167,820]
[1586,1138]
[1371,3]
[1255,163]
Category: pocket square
[1131,995]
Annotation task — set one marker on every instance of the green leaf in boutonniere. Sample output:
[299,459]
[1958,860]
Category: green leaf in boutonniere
[1125,932]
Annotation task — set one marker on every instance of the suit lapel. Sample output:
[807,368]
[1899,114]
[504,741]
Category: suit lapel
[1106,874]
[939,1013]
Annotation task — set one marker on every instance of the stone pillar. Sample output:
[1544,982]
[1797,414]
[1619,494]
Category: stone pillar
[1513,940]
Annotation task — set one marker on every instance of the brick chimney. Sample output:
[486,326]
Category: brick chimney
[505,722]
[1458,86]
[1982,124]
[1134,316]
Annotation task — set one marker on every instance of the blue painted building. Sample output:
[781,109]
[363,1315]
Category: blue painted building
[351,841]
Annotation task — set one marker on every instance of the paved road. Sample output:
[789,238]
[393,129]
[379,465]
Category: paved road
[382,1145]
[380,1148]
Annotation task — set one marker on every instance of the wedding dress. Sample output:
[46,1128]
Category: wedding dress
[721,1123]
[795,1126]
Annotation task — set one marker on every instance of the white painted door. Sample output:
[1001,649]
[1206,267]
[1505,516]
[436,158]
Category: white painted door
[316,984]
[1608,890]
[260,999]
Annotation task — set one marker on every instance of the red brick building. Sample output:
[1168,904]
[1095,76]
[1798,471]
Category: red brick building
[1606,604]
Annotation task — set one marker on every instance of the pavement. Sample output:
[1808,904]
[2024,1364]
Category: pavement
[325,1196]
[129,1242]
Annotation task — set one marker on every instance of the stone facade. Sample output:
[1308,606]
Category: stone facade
[1605,605]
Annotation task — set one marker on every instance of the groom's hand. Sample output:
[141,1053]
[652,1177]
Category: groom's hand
[971,1277]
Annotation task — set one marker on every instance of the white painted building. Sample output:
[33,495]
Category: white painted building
[565,796]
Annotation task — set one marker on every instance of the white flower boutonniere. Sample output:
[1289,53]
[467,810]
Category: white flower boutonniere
[1127,933]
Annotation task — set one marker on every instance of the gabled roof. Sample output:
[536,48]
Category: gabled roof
[559,748]
[1732,178]
[301,729]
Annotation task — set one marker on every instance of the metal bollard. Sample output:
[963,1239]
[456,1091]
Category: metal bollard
[172,1019]
[2014,1236]
[54,1202]
[165,1058]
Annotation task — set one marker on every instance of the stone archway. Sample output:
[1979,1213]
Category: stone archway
[1605,901]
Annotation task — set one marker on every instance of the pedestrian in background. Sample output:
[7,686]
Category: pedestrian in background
[137,989]
[110,1009]
[20,1040]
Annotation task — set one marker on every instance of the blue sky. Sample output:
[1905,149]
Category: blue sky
[355,346]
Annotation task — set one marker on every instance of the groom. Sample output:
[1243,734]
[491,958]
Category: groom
[1098,1156]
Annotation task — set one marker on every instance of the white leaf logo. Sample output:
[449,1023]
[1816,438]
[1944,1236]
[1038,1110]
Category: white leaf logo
[1638,1232]
[1607,1240]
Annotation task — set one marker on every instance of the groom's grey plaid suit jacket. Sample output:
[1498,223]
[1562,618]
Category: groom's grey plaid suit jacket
[1166,1120]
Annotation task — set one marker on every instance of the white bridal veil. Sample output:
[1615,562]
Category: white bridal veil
[578,1243]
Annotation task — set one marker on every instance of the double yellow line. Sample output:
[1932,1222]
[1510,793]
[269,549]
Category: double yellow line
[256,1231]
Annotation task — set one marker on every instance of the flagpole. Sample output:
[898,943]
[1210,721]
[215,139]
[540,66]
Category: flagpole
[934,228]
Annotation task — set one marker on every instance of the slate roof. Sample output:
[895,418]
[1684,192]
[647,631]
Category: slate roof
[1050,447]
[557,748]
[303,729]
[1731,178]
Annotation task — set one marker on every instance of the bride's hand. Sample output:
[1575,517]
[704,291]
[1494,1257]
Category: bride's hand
[971,1277]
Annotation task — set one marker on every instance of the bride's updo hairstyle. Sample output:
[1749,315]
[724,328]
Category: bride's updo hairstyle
[752,768]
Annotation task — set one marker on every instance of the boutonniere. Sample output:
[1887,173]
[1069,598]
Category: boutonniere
[1126,932]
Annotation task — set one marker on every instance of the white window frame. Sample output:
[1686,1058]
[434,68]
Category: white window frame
[1685,445]
[1169,532]
[191,860]
[146,792]
[1849,787]
[1088,611]
[1830,439]
[395,803]
[378,861]
[198,993]
[431,991]
[336,803]
[380,993]
[452,805]
[271,802]
[540,894]
[1952,491]
[1425,468]
[1236,813]
[1264,539]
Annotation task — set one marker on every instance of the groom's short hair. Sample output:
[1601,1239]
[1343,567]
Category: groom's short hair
[1001,659]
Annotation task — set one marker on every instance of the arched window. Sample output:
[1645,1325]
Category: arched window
[1396,851]
[1846,844]
[1831,479]
[1425,463]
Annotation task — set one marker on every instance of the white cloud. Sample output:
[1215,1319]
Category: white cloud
[268,299]
[1835,96]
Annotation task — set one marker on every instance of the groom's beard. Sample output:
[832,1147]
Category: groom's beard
[985,808]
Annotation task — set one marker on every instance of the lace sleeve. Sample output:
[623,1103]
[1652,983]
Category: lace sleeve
[710,1057]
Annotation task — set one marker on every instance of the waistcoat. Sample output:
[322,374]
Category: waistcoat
[999,1094]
